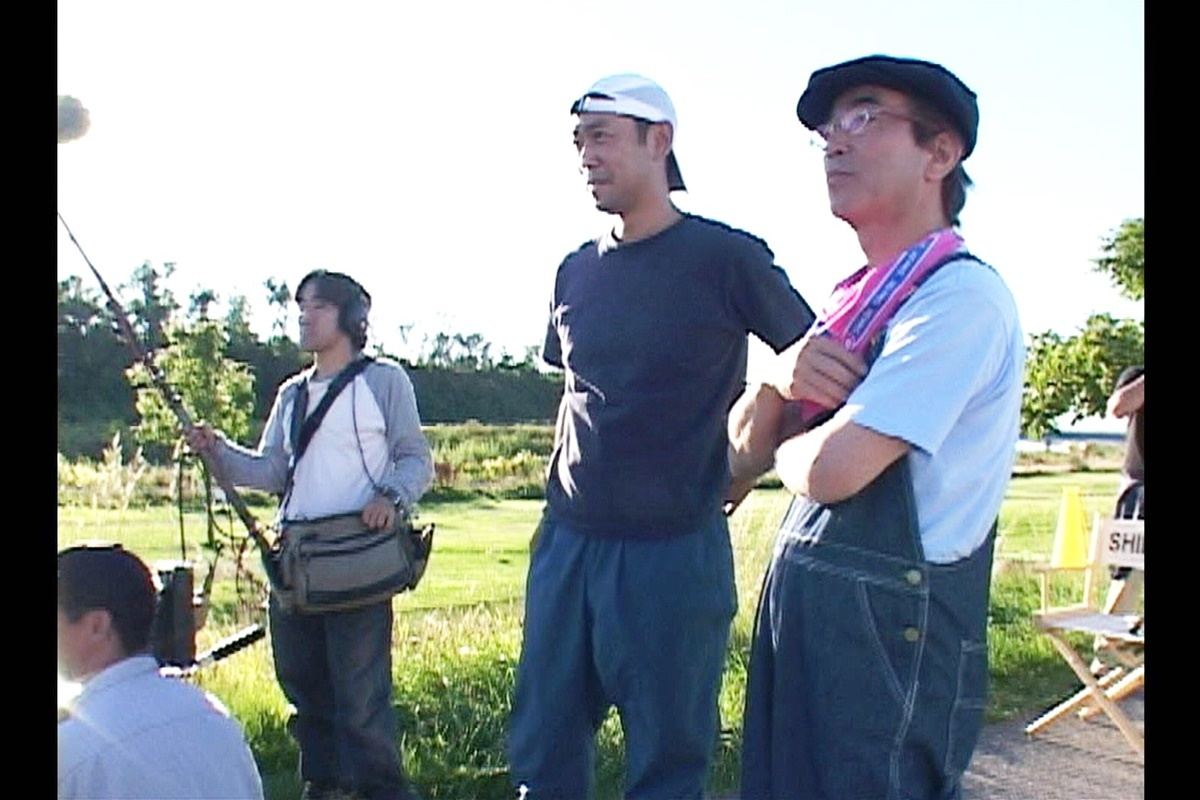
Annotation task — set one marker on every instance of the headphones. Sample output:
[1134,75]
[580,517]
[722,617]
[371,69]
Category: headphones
[352,315]
[353,309]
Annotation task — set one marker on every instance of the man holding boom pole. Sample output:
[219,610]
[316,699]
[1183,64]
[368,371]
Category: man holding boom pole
[367,456]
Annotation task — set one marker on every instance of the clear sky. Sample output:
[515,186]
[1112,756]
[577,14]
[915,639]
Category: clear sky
[425,148]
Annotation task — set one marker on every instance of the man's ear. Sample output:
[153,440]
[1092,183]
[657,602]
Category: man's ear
[945,151]
[661,138]
[98,623]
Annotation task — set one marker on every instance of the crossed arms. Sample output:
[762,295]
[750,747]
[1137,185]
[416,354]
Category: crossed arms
[828,463]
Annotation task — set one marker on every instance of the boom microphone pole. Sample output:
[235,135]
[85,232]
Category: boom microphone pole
[223,649]
[173,400]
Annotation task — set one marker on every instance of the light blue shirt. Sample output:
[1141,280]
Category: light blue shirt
[948,381]
[134,733]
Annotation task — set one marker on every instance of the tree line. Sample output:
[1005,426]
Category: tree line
[230,374]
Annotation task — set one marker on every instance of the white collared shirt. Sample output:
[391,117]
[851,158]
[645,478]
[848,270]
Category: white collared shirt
[134,733]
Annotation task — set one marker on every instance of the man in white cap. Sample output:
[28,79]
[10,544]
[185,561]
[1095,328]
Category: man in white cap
[868,669]
[630,591]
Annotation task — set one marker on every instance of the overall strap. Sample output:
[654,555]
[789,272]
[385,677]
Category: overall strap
[876,346]
[813,414]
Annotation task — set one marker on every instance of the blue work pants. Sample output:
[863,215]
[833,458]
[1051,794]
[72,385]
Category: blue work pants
[641,624]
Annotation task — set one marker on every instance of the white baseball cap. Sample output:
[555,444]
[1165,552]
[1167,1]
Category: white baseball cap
[634,96]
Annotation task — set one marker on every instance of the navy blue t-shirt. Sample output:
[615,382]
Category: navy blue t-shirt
[652,336]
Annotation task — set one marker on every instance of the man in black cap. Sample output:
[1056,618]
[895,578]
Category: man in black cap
[868,668]
[133,732]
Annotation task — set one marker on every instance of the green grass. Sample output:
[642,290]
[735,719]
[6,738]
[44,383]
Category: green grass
[481,552]
[1031,506]
[457,637]
[152,533]
[481,545]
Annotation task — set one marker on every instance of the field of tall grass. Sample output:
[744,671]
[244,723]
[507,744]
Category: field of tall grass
[470,459]
[457,637]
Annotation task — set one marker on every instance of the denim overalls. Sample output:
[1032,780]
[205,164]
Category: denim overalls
[868,670]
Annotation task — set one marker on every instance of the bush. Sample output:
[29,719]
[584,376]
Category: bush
[109,483]
[497,460]
[114,483]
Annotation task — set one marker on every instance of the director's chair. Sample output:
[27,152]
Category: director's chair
[1114,542]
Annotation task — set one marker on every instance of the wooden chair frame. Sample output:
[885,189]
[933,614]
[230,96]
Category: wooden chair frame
[1114,542]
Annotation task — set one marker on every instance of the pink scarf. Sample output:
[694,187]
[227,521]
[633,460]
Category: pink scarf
[862,304]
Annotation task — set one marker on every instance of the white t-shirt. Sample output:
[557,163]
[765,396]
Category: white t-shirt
[330,478]
[369,438]
[948,381]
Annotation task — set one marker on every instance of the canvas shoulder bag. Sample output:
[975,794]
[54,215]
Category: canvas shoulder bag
[337,563]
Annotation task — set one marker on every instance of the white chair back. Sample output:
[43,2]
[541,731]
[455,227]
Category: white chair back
[1121,543]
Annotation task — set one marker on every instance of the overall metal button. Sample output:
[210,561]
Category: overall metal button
[912,635]
[913,576]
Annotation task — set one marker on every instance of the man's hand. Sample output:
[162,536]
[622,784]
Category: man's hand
[820,369]
[201,438]
[1128,399]
[379,514]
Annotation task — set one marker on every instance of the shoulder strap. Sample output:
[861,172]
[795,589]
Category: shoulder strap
[876,346]
[304,425]
[814,414]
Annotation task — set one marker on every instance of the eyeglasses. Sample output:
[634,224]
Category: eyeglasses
[853,122]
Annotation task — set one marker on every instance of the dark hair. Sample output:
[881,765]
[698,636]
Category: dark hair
[1129,375]
[352,300]
[108,577]
[929,123]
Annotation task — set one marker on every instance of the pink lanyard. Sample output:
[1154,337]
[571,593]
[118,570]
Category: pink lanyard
[862,304]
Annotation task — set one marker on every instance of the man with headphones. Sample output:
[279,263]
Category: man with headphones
[367,455]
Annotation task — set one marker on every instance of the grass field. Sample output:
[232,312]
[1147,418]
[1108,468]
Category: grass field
[458,636]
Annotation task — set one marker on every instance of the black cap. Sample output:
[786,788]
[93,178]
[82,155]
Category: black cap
[931,82]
